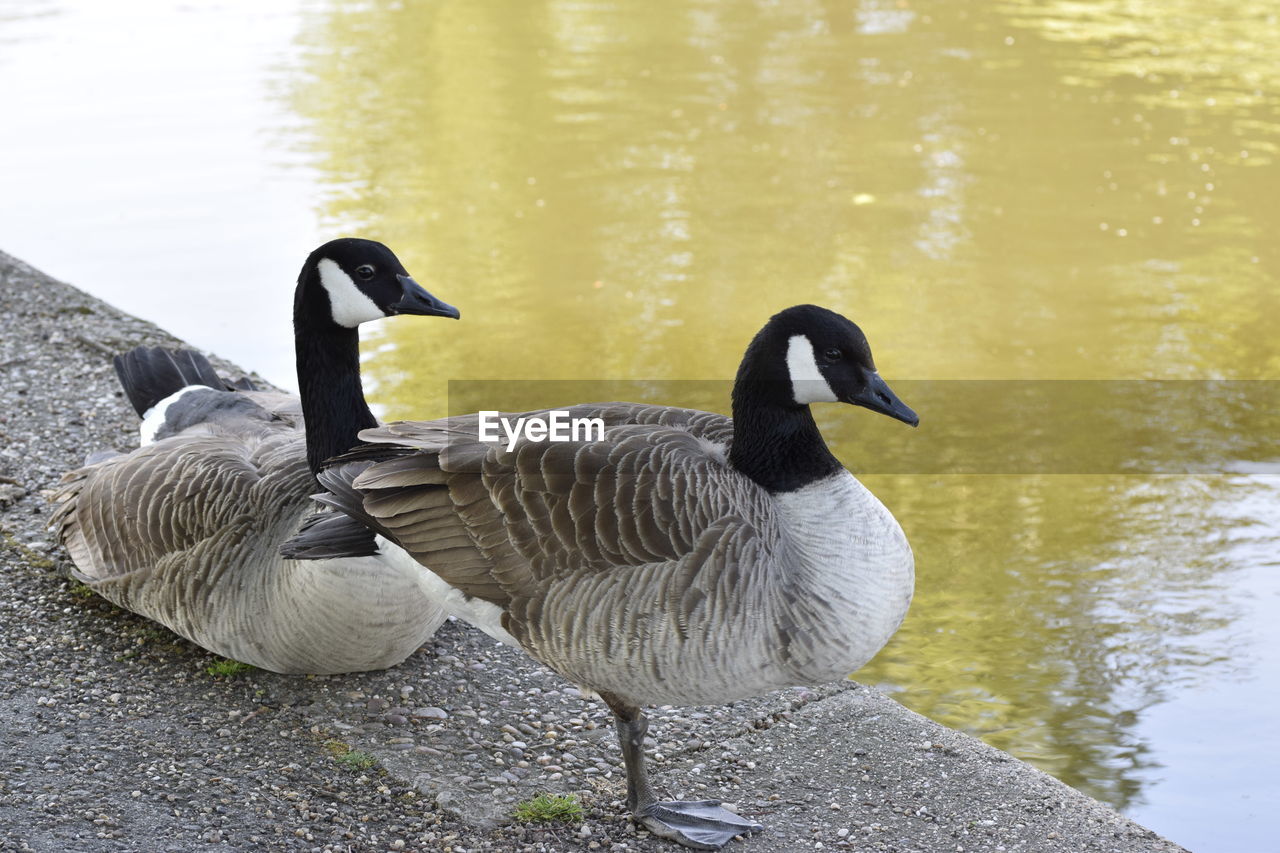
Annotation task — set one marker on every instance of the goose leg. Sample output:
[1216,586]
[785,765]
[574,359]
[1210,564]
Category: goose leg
[700,824]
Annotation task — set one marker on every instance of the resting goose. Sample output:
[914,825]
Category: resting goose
[683,558]
[186,530]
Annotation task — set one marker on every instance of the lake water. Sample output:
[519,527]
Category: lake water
[1010,190]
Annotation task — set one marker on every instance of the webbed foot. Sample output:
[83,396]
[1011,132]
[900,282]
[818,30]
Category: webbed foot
[700,824]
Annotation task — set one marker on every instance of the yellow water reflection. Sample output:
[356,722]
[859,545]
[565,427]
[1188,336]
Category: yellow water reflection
[1018,190]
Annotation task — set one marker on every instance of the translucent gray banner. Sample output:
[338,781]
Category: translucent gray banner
[989,426]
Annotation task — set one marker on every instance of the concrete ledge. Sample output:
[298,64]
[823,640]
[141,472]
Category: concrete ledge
[116,737]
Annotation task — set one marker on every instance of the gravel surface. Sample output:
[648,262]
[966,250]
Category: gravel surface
[115,736]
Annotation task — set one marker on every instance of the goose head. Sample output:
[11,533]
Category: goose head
[345,283]
[350,281]
[808,354]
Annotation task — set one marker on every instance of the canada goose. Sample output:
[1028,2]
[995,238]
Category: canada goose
[185,530]
[684,558]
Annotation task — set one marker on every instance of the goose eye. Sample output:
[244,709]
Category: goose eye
[833,354]
[365,271]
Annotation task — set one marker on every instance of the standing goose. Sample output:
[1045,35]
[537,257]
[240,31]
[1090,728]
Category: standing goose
[186,530]
[684,558]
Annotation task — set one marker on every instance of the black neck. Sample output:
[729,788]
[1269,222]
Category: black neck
[328,360]
[776,444]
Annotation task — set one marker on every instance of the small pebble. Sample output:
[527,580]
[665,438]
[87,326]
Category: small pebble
[430,713]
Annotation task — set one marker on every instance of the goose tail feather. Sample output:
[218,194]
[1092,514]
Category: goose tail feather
[328,535]
[150,374]
[344,528]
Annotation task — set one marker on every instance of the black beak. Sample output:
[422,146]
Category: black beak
[877,396]
[417,301]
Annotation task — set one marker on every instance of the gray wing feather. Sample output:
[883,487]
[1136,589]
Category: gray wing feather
[188,495]
[550,527]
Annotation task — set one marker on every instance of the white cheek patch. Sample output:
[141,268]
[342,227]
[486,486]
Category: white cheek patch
[808,385]
[350,306]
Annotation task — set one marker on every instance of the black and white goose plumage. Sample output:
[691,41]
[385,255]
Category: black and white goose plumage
[186,529]
[684,558]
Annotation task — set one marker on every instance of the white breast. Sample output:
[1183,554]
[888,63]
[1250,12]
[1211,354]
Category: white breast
[851,576]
